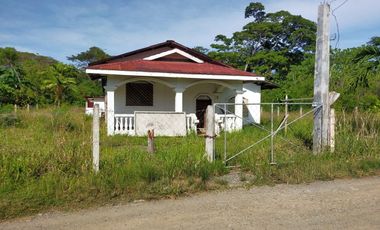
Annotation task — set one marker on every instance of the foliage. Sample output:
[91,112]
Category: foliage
[267,45]
[91,55]
[14,87]
[27,78]
[354,75]
[369,57]
[62,79]
[201,49]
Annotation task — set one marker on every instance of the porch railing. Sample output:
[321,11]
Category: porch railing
[191,122]
[125,124]
[225,122]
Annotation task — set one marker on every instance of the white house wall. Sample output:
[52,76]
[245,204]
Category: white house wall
[252,94]
[164,94]
[163,100]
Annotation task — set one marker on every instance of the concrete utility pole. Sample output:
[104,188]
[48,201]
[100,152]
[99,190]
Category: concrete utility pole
[321,80]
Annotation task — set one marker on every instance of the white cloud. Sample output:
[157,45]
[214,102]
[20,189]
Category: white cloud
[127,25]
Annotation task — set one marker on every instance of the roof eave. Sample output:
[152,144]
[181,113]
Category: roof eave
[175,75]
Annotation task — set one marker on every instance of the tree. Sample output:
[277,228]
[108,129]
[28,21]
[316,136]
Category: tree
[368,56]
[8,57]
[14,87]
[93,54]
[279,39]
[201,49]
[62,79]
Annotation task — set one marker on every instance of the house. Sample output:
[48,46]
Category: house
[167,86]
[91,101]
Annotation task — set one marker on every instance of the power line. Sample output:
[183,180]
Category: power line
[340,5]
[336,20]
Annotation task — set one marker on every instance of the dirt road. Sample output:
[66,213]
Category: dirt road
[340,204]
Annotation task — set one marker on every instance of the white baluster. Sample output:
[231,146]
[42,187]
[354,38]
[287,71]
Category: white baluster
[130,123]
[116,123]
[123,121]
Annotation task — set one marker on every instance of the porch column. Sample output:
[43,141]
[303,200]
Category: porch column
[110,111]
[178,99]
[239,109]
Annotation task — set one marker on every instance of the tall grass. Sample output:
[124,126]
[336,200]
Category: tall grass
[357,151]
[45,160]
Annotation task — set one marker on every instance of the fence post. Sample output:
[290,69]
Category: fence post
[356,115]
[286,114]
[332,130]
[301,112]
[95,138]
[272,137]
[27,107]
[151,141]
[210,132]
[15,108]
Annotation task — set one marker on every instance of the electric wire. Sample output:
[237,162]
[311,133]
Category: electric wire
[336,21]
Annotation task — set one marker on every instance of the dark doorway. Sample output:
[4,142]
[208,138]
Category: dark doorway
[201,105]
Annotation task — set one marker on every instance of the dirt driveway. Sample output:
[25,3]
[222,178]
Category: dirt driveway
[339,204]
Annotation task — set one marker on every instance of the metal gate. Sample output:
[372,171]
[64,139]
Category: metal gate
[274,126]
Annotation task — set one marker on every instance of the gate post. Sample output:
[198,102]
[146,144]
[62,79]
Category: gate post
[210,132]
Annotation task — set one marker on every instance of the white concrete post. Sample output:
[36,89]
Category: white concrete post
[210,132]
[286,114]
[239,109]
[332,130]
[110,112]
[179,99]
[95,138]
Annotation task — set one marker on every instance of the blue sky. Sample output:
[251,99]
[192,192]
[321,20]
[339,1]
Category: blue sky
[62,28]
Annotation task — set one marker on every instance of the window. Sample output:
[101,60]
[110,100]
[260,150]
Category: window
[139,94]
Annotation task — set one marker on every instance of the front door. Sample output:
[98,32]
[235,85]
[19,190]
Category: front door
[201,105]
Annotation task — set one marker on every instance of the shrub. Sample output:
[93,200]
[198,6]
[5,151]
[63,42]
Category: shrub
[8,120]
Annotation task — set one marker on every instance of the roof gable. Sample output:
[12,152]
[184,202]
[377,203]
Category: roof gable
[171,47]
[176,52]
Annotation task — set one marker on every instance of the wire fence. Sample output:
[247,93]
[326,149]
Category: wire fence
[273,118]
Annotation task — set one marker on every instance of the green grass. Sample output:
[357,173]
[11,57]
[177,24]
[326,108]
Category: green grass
[45,160]
[357,151]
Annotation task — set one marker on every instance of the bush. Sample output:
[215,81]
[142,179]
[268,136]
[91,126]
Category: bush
[8,120]
[6,108]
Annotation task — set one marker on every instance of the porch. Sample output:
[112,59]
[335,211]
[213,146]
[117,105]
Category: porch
[127,96]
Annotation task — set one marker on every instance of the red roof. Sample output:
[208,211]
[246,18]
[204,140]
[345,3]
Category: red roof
[172,67]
